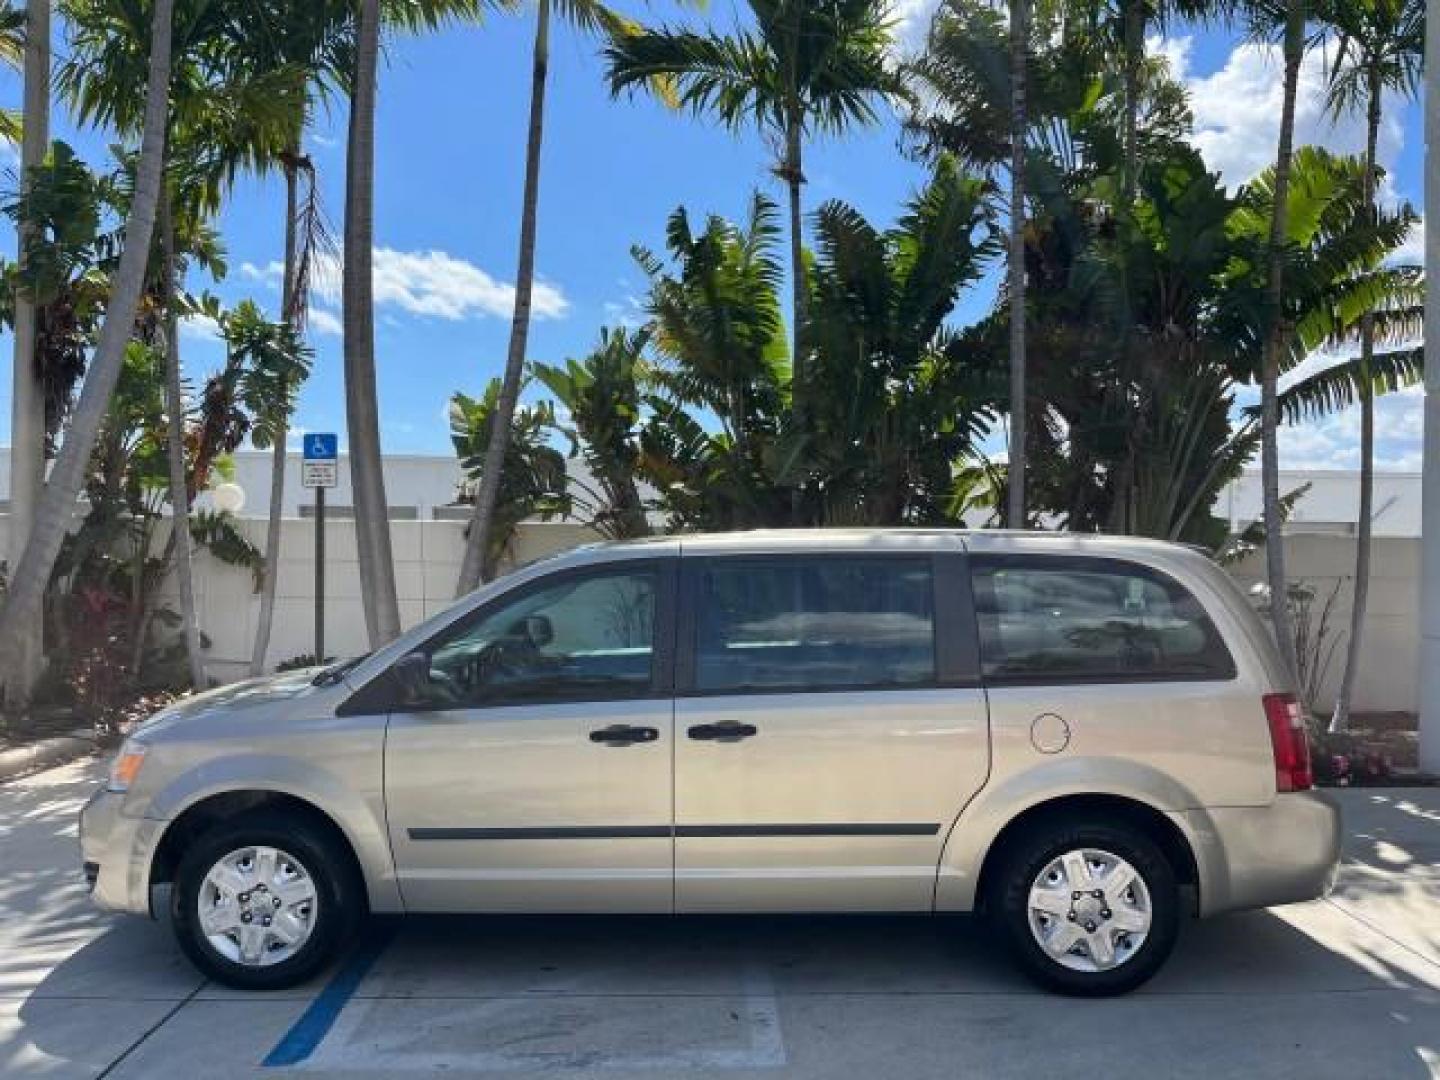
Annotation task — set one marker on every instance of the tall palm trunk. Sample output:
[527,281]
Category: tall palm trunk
[184,564]
[1275,343]
[56,508]
[367,478]
[482,524]
[1340,718]
[271,570]
[1019,57]
[794,174]
[1134,15]
[27,405]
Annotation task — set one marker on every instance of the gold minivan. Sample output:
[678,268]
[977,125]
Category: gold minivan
[1084,738]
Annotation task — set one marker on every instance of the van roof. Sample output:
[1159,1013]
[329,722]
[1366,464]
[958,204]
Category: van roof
[977,540]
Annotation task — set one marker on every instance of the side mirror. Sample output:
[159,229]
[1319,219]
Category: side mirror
[412,675]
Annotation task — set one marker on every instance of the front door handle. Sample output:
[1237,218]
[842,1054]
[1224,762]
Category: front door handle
[624,735]
[725,732]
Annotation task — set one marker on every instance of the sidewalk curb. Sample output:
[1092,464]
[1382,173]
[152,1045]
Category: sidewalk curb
[45,754]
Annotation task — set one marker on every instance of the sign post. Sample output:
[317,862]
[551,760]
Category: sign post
[320,469]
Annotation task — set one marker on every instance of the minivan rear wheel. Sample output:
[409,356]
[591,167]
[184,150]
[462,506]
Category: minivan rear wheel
[263,903]
[1089,909]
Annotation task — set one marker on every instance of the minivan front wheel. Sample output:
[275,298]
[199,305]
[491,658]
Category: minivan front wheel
[261,904]
[1090,910]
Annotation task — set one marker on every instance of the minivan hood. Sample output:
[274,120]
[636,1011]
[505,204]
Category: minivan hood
[232,699]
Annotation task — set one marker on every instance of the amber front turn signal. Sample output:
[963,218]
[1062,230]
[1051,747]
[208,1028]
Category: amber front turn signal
[126,766]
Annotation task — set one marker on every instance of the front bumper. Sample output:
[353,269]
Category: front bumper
[116,850]
[1253,857]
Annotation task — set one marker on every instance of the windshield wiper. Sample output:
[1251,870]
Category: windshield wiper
[335,672]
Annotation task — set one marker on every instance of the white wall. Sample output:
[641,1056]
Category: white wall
[1332,503]
[427,565]
[1388,676]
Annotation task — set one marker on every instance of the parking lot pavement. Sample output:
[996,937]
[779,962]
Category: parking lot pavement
[1347,987]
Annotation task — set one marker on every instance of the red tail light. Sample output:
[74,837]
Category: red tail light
[1291,745]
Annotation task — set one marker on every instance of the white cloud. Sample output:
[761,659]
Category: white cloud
[1413,250]
[270,275]
[322,321]
[199,328]
[629,313]
[912,21]
[440,285]
[1333,442]
[1237,109]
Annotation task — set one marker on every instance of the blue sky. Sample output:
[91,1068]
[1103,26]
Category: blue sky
[450,139]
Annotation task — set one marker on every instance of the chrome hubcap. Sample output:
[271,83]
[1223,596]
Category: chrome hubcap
[257,906]
[1089,910]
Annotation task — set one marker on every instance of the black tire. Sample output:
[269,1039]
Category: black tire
[338,890]
[1028,855]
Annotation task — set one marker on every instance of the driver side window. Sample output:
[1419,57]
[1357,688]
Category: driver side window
[584,637]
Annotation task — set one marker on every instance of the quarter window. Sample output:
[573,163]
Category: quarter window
[1063,620]
[582,638]
[825,623]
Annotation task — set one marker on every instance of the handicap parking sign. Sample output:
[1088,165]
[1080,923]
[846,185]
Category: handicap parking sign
[320,467]
[322,447]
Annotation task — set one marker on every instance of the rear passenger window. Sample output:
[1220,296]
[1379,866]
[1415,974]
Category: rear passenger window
[822,623]
[1091,620]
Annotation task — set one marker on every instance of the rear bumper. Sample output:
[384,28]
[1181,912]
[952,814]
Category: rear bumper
[1253,857]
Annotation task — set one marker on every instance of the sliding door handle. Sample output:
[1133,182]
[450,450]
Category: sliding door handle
[624,735]
[725,732]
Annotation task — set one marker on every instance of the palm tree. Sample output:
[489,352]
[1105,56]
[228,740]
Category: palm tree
[807,66]
[1122,25]
[989,89]
[225,113]
[306,239]
[1380,46]
[590,16]
[372,525]
[27,406]
[318,39]
[367,478]
[312,37]
[175,447]
[31,574]
[1015,270]
[1293,18]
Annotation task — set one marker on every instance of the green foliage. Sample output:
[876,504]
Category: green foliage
[601,395]
[533,483]
[218,533]
[68,259]
[820,64]
[703,425]
[274,362]
[900,400]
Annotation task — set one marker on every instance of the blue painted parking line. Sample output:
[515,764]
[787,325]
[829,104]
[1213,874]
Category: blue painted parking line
[315,1022]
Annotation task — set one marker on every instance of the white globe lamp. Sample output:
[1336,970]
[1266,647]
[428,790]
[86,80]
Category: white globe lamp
[229,498]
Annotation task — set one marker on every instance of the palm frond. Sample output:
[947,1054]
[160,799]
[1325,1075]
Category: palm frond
[1342,385]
